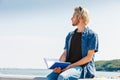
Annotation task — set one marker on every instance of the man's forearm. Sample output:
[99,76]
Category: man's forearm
[81,62]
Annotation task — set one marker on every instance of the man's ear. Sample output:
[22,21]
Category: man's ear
[79,18]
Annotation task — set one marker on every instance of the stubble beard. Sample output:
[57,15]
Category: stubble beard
[75,23]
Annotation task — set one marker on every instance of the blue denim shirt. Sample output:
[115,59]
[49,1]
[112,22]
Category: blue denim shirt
[89,42]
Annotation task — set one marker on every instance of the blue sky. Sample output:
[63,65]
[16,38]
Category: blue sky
[33,29]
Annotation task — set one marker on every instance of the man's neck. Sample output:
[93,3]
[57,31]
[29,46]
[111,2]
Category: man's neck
[81,28]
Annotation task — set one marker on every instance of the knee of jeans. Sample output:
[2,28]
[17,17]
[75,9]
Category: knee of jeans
[62,77]
[78,67]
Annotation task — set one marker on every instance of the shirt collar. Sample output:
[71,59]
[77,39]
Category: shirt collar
[83,32]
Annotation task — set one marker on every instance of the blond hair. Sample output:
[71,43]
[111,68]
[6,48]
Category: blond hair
[83,12]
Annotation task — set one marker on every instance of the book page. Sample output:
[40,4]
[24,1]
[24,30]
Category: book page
[49,62]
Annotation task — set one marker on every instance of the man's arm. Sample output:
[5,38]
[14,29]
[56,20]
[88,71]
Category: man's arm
[63,59]
[63,56]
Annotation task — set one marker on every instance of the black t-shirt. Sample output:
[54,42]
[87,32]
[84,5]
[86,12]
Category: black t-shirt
[75,52]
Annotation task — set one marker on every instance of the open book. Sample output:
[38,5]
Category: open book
[53,63]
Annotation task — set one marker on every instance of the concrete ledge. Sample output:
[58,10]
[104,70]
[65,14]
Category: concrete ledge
[99,79]
[24,77]
[20,77]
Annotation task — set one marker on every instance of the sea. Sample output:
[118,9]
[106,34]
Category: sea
[44,72]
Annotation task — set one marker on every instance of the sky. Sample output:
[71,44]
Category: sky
[31,30]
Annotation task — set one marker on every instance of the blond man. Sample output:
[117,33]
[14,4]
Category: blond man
[80,46]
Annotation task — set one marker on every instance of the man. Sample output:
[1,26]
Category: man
[80,46]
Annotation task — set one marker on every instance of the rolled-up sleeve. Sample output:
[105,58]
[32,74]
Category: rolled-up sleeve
[66,42]
[93,42]
[65,46]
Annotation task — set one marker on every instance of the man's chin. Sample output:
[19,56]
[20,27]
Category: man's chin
[73,24]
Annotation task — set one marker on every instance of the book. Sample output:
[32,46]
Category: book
[53,63]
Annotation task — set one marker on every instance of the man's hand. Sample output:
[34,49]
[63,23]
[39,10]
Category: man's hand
[57,70]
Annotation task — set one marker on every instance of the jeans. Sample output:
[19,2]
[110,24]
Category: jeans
[70,74]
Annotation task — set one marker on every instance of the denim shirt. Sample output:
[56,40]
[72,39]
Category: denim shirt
[89,42]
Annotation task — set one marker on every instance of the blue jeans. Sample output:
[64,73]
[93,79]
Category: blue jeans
[70,74]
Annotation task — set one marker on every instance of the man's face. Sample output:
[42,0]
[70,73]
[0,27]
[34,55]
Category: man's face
[75,20]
